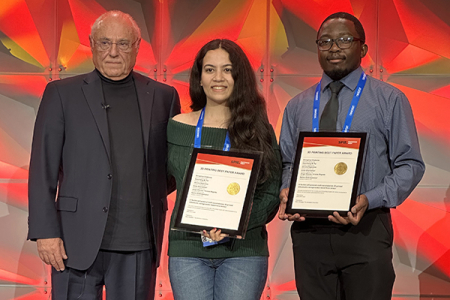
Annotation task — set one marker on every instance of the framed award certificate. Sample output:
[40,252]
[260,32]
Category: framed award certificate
[326,174]
[218,191]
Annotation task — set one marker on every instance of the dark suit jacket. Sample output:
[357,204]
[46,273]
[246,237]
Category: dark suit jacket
[70,162]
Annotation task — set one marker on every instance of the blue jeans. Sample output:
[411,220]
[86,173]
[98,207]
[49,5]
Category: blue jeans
[234,278]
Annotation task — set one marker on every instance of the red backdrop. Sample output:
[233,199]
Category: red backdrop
[409,47]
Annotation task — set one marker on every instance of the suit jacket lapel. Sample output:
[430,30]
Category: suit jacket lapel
[94,96]
[145,95]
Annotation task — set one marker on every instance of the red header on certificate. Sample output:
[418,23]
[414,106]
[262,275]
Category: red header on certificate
[343,142]
[218,191]
[326,173]
[237,162]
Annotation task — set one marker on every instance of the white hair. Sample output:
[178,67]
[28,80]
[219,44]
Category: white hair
[116,13]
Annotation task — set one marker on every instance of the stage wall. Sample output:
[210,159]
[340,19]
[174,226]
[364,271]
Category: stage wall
[409,47]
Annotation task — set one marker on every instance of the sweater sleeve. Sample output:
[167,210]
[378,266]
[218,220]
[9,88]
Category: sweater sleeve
[266,198]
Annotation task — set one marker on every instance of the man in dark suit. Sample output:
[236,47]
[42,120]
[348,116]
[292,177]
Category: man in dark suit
[97,183]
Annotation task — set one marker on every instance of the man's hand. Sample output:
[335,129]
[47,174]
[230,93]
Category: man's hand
[282,215]
[354,215]
[52,252]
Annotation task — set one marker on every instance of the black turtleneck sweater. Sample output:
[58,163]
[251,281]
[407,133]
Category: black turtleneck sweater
[127,227]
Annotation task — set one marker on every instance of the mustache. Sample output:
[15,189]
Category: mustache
[336,56]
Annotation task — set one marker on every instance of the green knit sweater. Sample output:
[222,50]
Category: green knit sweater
[180,138]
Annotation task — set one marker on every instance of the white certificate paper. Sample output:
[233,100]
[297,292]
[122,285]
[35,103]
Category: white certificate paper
[218,191]
[327,173]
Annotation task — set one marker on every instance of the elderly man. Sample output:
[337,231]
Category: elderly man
[97,183]
[351,257]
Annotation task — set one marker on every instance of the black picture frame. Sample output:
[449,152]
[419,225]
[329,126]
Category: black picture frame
[255,156]
[322,213]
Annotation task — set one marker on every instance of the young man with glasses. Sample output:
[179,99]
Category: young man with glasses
[350,257]
[97,185]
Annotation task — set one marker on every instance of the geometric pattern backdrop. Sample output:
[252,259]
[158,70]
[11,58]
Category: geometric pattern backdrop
[409,47]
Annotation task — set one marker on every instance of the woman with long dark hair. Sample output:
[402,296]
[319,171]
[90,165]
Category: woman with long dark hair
[224,91]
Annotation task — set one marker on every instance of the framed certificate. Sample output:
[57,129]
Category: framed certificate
[218,191]
[326,174]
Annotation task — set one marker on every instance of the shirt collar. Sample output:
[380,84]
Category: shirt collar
[350,81]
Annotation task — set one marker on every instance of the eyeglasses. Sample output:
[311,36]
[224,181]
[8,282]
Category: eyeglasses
[342,42]
[124,46]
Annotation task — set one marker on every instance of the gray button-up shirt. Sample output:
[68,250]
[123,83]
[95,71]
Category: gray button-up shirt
[393,165]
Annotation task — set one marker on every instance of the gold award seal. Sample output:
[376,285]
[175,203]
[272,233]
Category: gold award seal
[340,168]
[233,188]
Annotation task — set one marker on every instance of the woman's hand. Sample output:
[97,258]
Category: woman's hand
[217,235]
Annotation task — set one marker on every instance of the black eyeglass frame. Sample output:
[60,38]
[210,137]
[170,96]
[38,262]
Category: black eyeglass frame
[335,41]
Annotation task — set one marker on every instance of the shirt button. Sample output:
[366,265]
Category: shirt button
[109,176]
[105,209]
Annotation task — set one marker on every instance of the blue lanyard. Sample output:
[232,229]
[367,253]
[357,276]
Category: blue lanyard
[198,144]
[351,110]
[198,134]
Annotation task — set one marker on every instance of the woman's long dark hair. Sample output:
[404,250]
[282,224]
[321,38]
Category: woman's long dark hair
[249,126]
